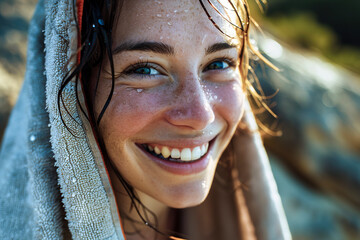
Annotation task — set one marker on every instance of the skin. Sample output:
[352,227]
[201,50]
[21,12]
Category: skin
[183,102]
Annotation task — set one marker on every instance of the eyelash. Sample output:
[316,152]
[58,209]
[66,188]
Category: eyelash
[229,61]
[141,64]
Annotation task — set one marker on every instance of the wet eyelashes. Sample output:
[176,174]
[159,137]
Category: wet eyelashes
[143,69]
[220,64]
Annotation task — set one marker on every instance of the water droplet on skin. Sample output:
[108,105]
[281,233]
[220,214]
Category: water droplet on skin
[186,10]
[175,11]
[203,39]
[139,90]
[32,138]
[74,180]
[167,15]
[215,97]
[158,15]
[169,23]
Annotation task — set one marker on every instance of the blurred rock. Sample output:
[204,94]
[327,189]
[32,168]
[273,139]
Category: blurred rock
[14,19]
[318,108]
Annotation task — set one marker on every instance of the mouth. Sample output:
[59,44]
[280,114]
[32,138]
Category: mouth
[180,155]
[182,161]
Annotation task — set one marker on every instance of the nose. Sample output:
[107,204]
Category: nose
[191,107]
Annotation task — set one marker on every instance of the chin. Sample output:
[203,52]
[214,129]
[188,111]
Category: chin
[188,198]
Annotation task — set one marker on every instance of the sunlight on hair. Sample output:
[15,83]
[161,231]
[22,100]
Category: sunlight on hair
[272,48]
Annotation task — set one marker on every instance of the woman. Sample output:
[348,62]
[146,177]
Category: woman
[137,119]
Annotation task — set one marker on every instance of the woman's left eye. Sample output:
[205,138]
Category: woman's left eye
[216,65]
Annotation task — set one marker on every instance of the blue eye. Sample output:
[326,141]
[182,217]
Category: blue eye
[146,71]
[217,65]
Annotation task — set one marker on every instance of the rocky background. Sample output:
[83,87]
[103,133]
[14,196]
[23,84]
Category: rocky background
[316,161]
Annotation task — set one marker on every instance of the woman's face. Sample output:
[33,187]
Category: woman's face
[177,99]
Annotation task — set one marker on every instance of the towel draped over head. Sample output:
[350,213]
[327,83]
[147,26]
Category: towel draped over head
[54,185]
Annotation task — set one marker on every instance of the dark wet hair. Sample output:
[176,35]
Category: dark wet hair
[98,19]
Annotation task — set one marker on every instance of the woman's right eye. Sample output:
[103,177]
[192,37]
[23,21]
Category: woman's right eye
[146,71]
[143,70]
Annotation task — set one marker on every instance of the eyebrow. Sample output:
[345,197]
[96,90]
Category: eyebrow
[162,48]
[156,47]
[218,47]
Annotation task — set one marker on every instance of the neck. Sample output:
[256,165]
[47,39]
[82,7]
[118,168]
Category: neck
[152,211]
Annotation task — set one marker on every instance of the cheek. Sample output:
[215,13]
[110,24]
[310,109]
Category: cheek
[130,111]
[230,101]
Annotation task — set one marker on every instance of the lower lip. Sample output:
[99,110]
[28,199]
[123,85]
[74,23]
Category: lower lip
[182,168]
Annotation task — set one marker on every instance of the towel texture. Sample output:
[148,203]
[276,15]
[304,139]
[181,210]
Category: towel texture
[54,185]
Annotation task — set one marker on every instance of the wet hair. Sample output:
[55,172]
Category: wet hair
[98,19]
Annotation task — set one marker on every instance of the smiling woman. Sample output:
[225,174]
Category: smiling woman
[144,99]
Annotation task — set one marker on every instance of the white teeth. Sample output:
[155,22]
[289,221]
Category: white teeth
[203,150]
[175,153]
[157,150]
[196,153]
[165,152]
[186,154]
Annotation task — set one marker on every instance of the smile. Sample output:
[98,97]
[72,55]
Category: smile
[184,160]
[177,154]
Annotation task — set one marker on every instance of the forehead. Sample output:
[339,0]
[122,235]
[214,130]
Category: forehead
[171,21]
